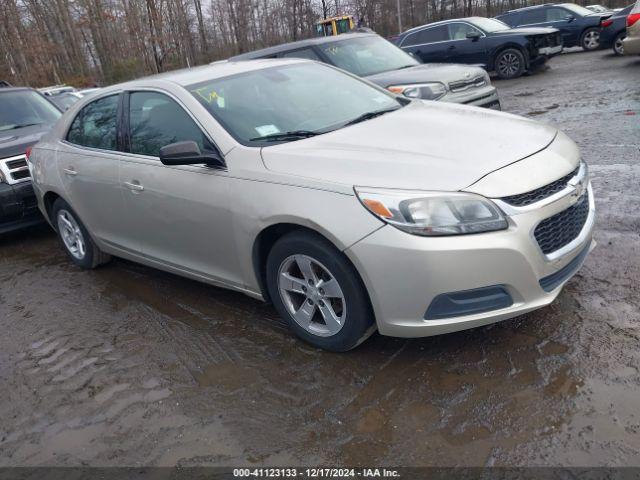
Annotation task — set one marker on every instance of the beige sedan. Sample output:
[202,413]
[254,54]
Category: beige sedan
[350,208]
[631,44]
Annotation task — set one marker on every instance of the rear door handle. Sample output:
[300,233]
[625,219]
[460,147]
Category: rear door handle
[134,186]
[70,171]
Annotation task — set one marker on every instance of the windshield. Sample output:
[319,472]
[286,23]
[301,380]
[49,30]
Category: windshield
[308,97]
[365,56]
[490,24]
[23,108]
[577,9]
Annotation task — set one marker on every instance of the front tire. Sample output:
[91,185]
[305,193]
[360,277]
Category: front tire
[510,64]
[75,238]
[315,288]
[618,46]
[590,39]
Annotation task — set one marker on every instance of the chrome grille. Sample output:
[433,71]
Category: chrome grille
[15,169]
[524,199]
[463,85]
[555,232]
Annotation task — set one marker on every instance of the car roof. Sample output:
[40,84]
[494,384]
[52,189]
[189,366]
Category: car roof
[285,47]
[533,7]
[442,22]
[15,89]
[220,69]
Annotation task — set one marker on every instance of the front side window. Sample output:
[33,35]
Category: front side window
[306,53]
[366,55]
[24,108]
[428,35]
[155,120]
[309,97]
[95,125]
[490,25]
[557,15]
[459,31]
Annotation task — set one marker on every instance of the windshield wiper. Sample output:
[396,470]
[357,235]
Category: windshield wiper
[24,125]
[284,136]
[370,115]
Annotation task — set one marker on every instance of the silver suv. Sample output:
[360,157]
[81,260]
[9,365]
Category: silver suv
[348,207]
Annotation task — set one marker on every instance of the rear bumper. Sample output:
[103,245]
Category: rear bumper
[631,45]
[18,207]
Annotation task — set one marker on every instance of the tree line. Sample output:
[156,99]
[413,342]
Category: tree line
[100,42]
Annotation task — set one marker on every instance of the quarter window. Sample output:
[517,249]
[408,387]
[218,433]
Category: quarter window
[156,121]
[95,125]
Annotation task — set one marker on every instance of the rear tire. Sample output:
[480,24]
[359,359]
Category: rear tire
[337,317]
[510,63]
[618,47]
[590,39]
[75,238]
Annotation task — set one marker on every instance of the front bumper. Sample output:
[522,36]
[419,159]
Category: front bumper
[18,207]
[405,273]
[486,96]
[550,51]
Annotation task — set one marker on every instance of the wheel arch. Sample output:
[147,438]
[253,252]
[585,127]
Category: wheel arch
[268,236]
[48,199]
[505,46]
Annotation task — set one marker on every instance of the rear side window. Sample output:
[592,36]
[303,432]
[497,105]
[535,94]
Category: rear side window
[533,16]
[428,35]
[156,121]
[95,125]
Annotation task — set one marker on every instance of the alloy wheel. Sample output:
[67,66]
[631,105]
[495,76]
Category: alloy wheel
[71,234]
[509,64]
[618,46]
[312,295]
[591,40]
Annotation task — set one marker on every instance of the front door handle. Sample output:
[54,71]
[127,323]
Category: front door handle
[70,171]
[134,186]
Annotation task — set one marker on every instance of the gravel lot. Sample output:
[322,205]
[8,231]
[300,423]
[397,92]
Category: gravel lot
[127,365]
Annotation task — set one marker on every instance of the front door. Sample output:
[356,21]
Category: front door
[464,49]
[180,215]
[88,165]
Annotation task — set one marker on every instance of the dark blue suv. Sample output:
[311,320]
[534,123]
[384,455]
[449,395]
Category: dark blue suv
[482,41]
[580,27]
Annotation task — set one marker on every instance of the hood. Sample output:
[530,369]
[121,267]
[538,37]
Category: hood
[527,31]
[423,146]
[15,142]
[428,72]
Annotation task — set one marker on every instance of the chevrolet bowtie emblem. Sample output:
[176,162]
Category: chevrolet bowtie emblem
[578,188]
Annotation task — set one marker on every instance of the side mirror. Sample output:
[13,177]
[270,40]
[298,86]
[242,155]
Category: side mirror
[474,36]
[188,153]
[569,18]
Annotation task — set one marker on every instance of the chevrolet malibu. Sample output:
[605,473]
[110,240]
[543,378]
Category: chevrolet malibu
[349,208]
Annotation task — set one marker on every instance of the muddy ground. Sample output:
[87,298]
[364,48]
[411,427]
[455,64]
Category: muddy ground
[127,365]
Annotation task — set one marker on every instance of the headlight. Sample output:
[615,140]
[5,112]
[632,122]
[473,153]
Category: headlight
[433,213]
[425,91]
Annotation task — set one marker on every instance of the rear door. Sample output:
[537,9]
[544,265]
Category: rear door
[88,161]
[179,216]
[430,44]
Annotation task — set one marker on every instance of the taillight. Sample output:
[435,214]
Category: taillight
[606,23]
[27,152]
[633,18]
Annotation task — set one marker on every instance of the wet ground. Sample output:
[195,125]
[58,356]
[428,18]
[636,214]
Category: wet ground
[127,365]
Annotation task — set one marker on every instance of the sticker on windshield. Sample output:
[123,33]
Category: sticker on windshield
[210,96]
[265,130]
